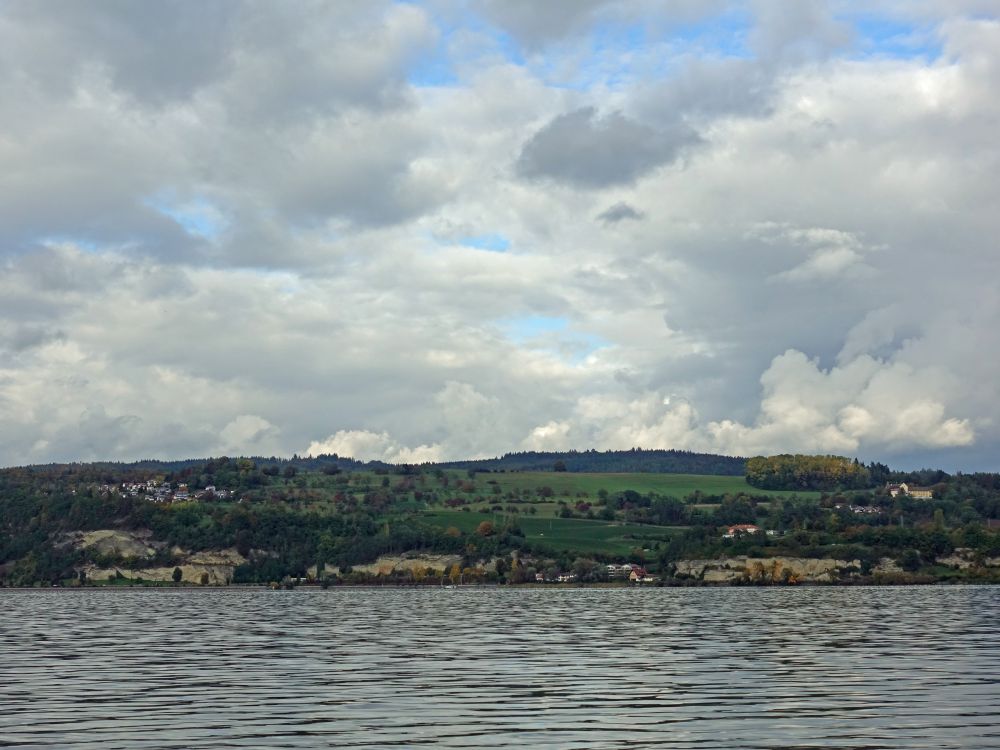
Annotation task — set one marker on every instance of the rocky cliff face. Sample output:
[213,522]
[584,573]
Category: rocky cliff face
[964,558]
[213,566]
[190,573]
[808,570]
[768,569]
[388,564]
[137,544]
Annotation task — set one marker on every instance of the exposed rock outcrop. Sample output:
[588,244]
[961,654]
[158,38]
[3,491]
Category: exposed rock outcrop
[964,558]
[190,573]
[138,544]
[768,569]
[886,565]
[211,566]
[387,564]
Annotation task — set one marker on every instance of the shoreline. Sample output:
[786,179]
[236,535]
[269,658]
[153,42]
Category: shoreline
[481,586]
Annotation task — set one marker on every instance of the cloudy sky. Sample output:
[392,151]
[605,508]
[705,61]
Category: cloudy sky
[419,231]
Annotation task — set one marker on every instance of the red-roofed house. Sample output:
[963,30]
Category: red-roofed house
[740,528]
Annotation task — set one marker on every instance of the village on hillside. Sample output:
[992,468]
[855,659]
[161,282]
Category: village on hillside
[165,492]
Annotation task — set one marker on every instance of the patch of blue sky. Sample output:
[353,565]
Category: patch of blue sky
[82,243]
[618,53]
[505,45]
[434,70]
[552,333]
[198,216]
[881,36]
[494,242]
[608,59]
[440,67]
[722,35]
[527,327]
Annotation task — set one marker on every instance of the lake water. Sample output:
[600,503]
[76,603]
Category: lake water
[518,668]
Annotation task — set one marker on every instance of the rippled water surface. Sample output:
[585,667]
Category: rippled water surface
[482,668]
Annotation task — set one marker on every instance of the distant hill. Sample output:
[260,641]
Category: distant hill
[625,461]
[260,520]
[634,460]
[317,463]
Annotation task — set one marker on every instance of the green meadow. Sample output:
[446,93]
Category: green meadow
[538,516]
[565,534]
[572,484]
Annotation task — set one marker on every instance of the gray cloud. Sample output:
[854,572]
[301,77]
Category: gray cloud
[255,107]
[28,336]
[798,32]
[276,245]
[360,174]
[703,90]
[537,24]
[582,149]
[262,59]
[782,38]
[156,53]
[534,23]
[620,211]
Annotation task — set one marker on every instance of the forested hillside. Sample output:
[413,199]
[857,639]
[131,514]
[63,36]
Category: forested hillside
[238,521]
[798,472]
[625,461]
[634,460]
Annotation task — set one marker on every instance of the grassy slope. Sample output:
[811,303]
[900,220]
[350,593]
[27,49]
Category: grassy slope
[566,484]
[563,534]
[676,485]
[569,534]
[581,535]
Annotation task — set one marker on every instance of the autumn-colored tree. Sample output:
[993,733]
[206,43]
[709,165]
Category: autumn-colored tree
[485,529]
[455,574]
[798,472]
